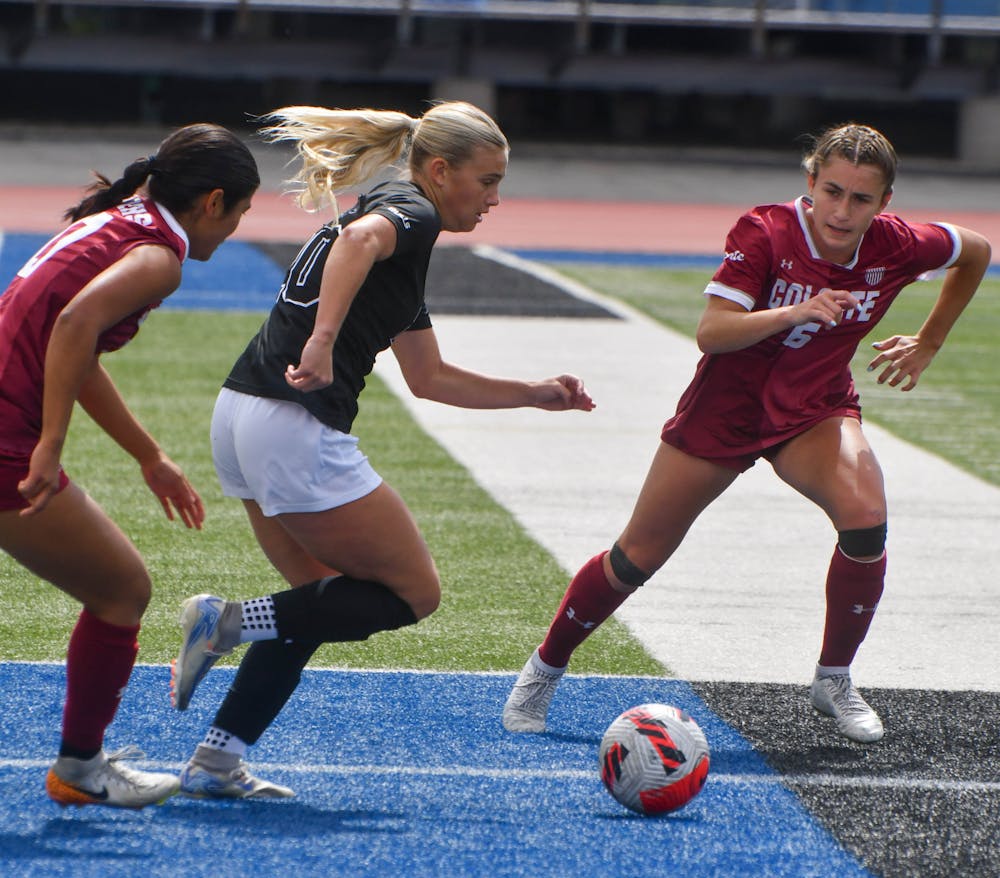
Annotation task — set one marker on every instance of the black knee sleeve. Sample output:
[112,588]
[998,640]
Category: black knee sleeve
[866,542]
[339,608]
[625,570]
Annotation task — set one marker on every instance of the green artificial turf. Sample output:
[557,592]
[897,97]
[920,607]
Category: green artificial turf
[500,587]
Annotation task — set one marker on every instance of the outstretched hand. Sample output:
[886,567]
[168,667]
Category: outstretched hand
[171,486]
[904,357]
[563,393]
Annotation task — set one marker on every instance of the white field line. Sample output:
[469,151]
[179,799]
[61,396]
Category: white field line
[460,771]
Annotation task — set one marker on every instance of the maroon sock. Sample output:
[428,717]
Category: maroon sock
[588,601]
[98,664]
[853,589]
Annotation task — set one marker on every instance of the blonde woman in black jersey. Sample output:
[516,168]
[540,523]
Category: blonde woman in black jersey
[341,537]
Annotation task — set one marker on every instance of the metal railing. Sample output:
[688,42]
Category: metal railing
[933,20]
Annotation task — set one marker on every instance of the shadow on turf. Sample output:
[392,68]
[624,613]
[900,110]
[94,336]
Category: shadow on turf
[285,818]
[60,839]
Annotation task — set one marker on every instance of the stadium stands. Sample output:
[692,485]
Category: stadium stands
[630,63]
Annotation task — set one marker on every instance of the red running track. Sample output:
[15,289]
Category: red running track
[518,223]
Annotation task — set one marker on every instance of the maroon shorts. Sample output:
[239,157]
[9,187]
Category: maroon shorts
[677,436]
[12,471]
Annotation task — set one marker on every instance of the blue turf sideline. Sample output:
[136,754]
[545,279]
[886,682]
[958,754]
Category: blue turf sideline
[402,772]
[241,277]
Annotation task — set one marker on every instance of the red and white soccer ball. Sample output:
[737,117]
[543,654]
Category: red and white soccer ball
[654,758]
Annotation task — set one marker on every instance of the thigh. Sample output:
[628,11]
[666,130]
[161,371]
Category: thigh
[677,490]
[834,466]
[95,562]
[374,538]
[288,556]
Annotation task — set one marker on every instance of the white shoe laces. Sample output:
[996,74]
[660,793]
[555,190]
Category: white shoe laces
[846,697]
[536,689]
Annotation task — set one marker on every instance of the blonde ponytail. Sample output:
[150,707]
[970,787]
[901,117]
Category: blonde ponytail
[340,149]
[343,149]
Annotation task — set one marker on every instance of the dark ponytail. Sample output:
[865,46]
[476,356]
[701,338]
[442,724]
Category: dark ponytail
[192,161]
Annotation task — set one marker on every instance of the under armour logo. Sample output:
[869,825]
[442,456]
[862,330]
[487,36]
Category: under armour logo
[571,614]
[787,264]
[858,609]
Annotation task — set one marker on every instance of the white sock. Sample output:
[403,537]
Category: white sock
[542,666]
[220,739]
[823,671]
[258,620]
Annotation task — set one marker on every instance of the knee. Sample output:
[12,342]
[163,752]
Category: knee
[138,593]
[625,570]
[426,599]
[126,603]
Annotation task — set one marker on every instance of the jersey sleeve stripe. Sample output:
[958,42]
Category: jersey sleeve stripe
[714,288]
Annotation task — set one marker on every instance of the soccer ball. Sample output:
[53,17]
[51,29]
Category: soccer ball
[654,758]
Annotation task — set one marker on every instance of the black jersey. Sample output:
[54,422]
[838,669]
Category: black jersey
[390,301]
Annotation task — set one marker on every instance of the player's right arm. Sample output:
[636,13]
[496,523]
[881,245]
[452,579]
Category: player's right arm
[726,325]
[358,247]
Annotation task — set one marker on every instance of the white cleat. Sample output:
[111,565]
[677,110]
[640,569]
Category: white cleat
[103,780]
[200,782]
[836,696]
[528,703]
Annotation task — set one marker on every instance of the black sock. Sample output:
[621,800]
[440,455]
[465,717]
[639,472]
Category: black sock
[77,753]
[339,608]
[266,679]
[330,610]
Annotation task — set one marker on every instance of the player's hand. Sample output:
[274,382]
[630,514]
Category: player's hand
[42,481]
[904,358]
[315,368]
[563,393]
[827,307]
[170,485]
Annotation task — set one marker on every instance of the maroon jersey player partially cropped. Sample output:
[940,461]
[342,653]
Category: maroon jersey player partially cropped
[82,295]
[799,286]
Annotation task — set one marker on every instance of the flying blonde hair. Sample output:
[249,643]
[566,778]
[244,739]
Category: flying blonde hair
[343,149]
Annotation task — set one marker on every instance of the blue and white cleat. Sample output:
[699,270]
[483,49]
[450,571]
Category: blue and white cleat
[200,782]
[201,618]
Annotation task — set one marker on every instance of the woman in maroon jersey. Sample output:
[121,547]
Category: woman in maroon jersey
[800,285]
[84,294]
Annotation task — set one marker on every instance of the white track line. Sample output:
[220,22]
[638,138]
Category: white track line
[457,771]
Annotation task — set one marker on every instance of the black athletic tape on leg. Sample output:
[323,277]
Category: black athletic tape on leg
[625,570]
[865,542]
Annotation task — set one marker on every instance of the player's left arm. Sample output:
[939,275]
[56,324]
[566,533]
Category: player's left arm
[100,398]
[905,357]
[430,377]
[143,276]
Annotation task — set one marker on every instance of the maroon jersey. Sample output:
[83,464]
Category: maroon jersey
[46,284]
[743,402]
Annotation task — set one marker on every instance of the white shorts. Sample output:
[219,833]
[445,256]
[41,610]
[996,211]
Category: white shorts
[278,454]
